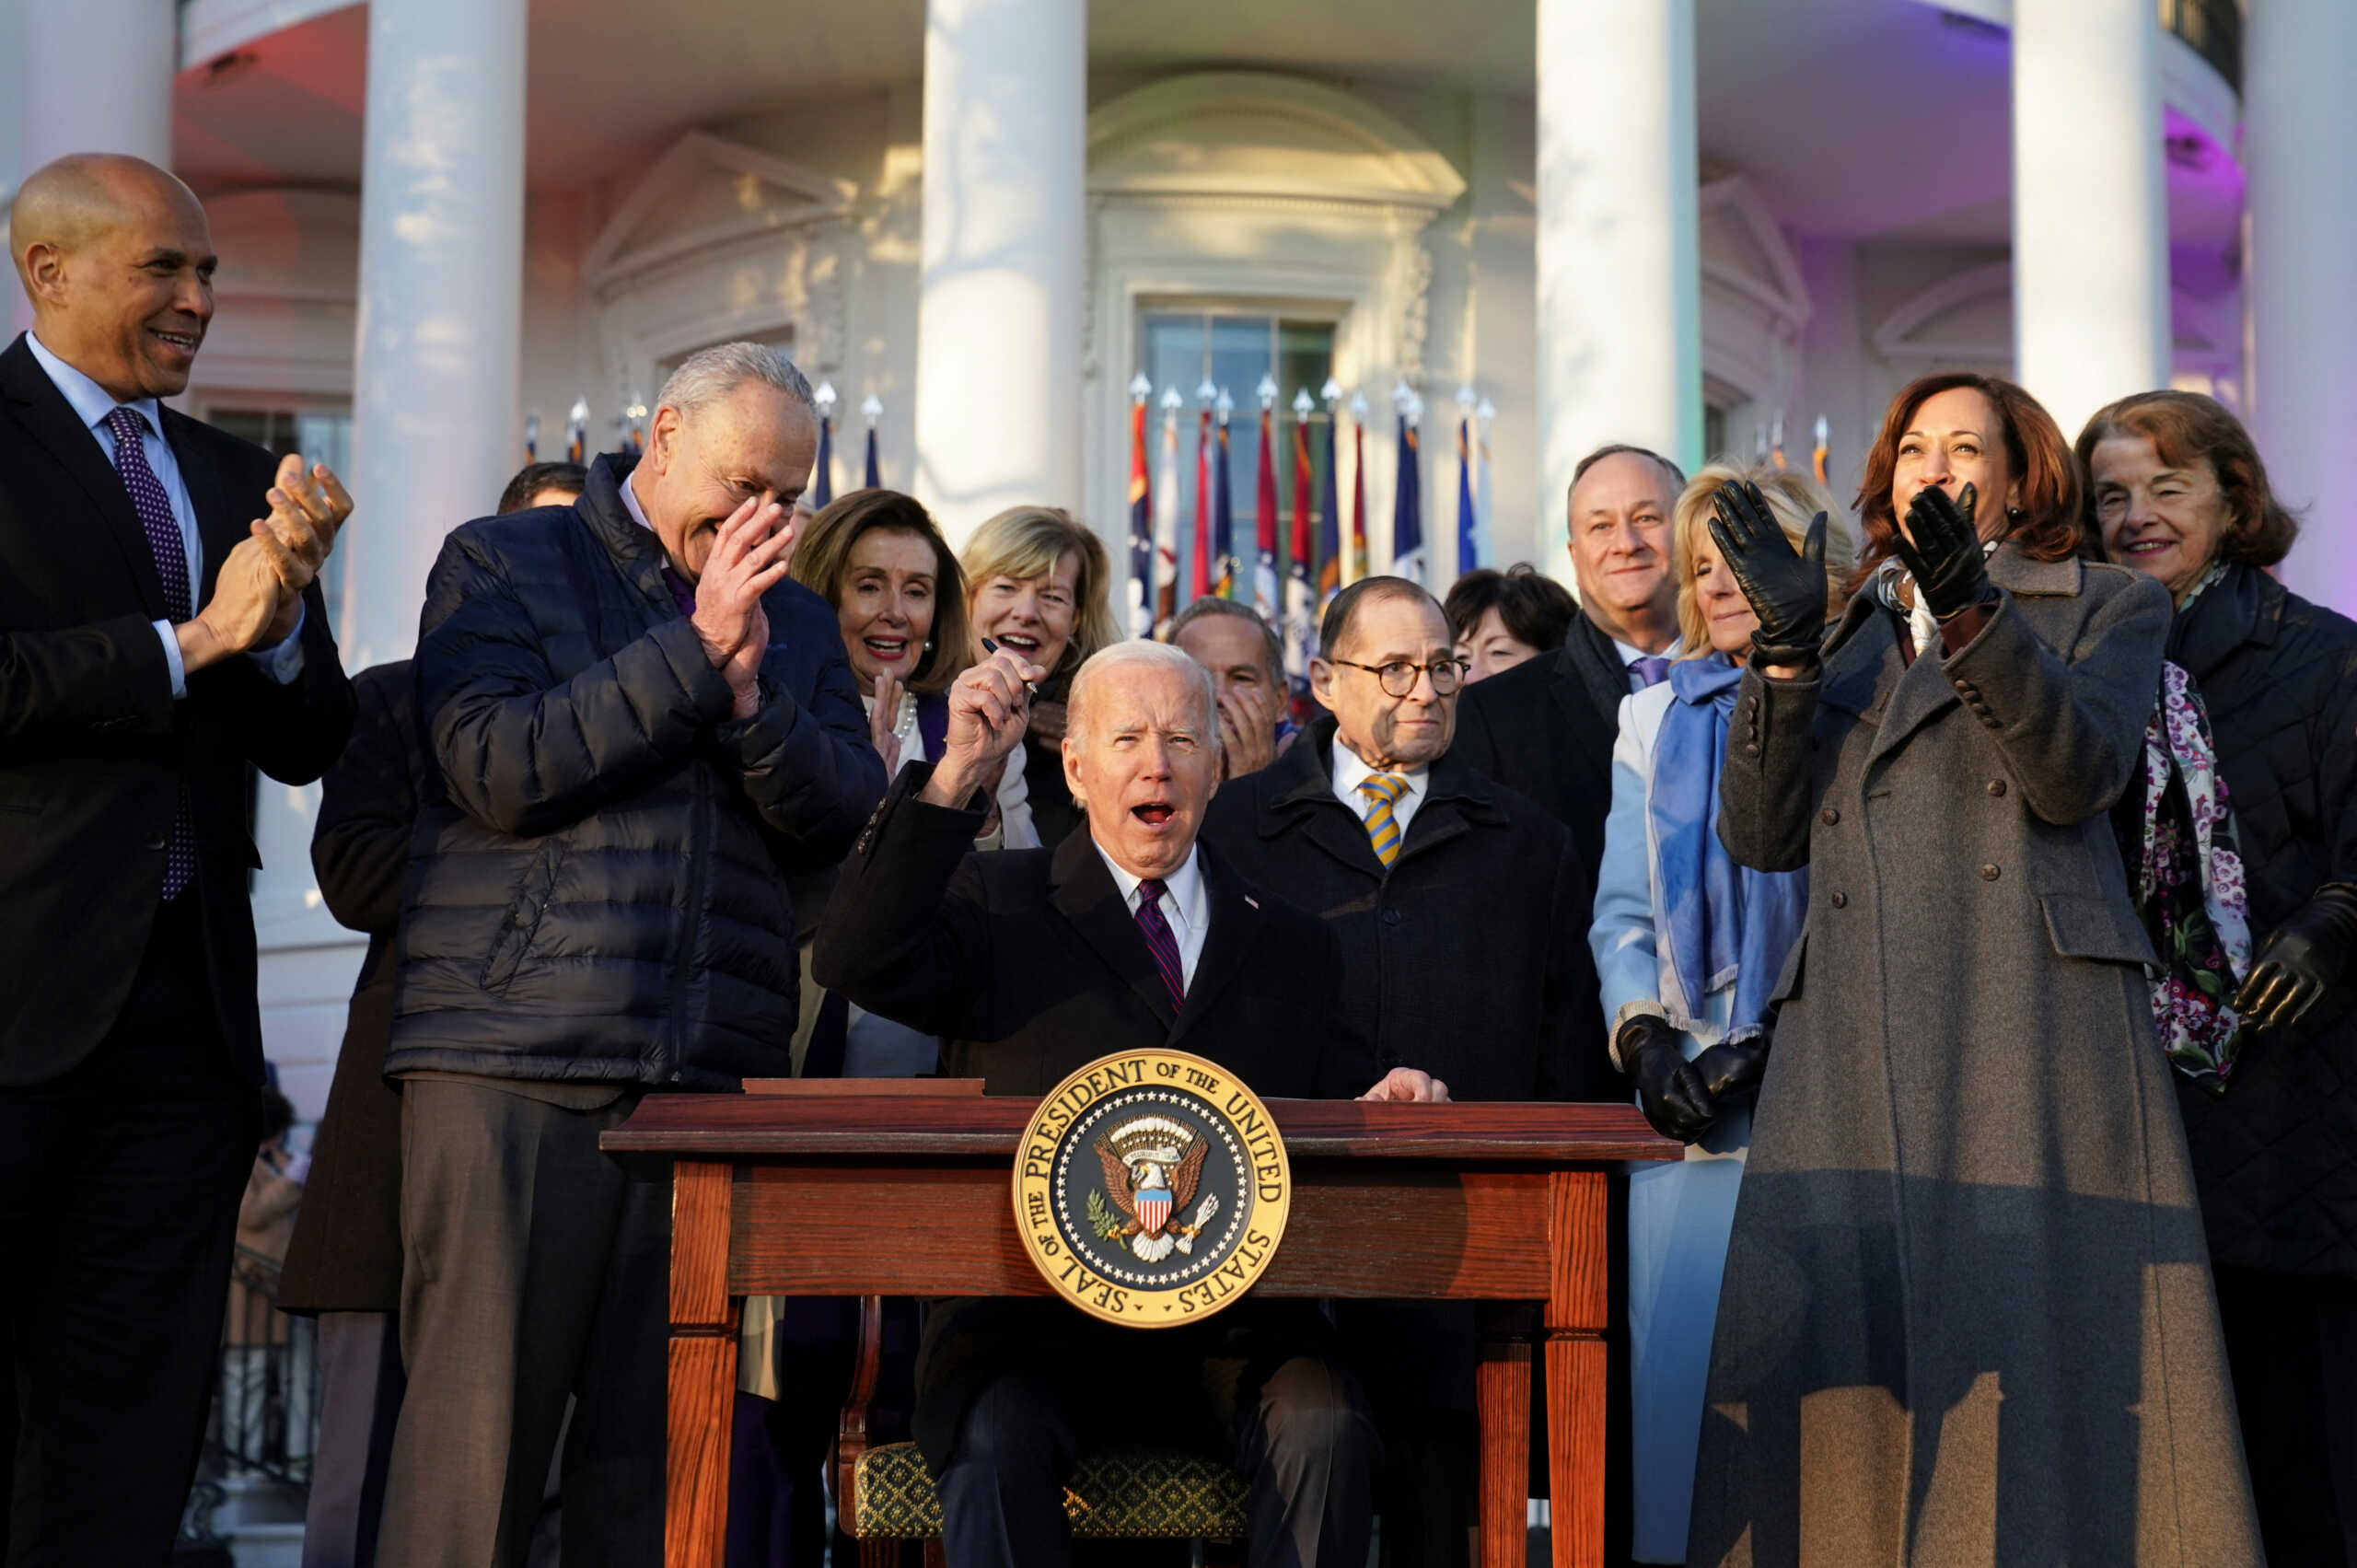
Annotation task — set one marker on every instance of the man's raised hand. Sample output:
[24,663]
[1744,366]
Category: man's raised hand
[750,554]
[308,508]
[249,597]
[989,707]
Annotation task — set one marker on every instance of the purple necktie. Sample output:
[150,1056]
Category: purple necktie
[1159,941]
[1650,671]
[170,551]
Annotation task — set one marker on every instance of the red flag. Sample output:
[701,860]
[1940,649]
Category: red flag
[1202,506]
[1140,527]
[1358,492]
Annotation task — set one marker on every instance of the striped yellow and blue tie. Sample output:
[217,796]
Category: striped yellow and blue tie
[1383,792]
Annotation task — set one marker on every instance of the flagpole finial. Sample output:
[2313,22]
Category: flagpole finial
[1140,388]
[1403,396]
[1266,391]
[873,407]
[1466,398]
[1331,392]
[825,398]
[1487,412]
[1207,394]
[1358,407]
[1226,405]
[580,410]
[1821,430]
[1172,400]
[1302,403]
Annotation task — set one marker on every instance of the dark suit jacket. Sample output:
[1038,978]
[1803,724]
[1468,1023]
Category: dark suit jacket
[1469,956]
[95,753]
[1029,964]
[1545,729]
[1029,961]
[346,1252]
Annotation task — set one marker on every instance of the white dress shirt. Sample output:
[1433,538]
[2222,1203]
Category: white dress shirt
[1629,654]
[1183,905]
[1348,769]
[92,404]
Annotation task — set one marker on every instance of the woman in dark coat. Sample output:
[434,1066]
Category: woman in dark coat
[1965,1315]
[2178,489]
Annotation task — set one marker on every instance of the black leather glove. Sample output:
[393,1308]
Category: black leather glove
[1943,556]
[1670,1092]
[1785,587]
[2303,958]
[1731,1071]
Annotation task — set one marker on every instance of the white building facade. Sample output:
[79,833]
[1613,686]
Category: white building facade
[1688,224]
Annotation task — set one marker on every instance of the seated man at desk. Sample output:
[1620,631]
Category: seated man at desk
[1127,935]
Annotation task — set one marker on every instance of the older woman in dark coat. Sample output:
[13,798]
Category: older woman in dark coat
[1965,1315]
[2178,489]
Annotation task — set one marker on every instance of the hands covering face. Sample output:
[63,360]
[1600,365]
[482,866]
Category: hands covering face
[1941,549]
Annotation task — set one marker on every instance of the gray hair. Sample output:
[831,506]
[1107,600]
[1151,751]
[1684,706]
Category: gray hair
[715,372]
[1161,656]
[1273,647]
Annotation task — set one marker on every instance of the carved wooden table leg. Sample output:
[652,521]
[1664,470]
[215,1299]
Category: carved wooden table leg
[1503,1395]
[703,1367]
[1577,1304]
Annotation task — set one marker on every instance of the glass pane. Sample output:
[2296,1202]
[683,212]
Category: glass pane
[1240,356]
[246,423]
[327,438]
[1306,359]
[1176,353]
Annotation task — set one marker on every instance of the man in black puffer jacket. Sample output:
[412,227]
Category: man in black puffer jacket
[642,728]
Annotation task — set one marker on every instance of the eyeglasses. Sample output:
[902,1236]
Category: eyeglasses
[1398,678]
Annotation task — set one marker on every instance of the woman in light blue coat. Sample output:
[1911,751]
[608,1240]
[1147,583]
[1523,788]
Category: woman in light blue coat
[1689,946]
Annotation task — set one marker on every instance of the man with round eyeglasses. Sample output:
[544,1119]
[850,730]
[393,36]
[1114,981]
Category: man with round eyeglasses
[1462,911]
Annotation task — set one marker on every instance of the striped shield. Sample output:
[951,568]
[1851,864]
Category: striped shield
[1154,1211]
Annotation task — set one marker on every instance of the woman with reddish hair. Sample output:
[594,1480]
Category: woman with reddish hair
[1967,1314]
[2177,490]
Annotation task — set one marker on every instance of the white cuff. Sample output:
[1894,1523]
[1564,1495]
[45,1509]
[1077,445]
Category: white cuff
[1642,1007]
[284,662]
[172,658]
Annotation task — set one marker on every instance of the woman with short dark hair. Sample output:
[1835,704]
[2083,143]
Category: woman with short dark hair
[1967,1310]
[2177,490]
[1499,620]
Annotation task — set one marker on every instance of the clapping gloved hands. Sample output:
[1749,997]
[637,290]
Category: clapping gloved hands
[1684,1100]
[1785,587]
[2302,959]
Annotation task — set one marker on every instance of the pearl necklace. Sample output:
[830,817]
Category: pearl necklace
[904,726]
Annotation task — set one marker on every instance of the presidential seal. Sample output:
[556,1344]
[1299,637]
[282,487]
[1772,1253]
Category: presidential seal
[1152,1188]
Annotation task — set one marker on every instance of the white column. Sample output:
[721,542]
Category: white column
[2299,123]
[435,432]
[999,303]
[1620,280]
[2091,220]
[92,76]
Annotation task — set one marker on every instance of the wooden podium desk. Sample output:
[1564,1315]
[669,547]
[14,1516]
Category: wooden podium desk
[868,1191]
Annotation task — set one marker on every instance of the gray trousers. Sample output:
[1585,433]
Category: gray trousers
[532,1270]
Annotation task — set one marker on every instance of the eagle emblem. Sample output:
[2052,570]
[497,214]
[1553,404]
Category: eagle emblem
[1153,1165]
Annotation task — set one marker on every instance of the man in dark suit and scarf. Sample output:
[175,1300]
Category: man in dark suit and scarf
[1129,935]
[161,635]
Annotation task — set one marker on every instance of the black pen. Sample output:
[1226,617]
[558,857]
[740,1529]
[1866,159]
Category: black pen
[990,645]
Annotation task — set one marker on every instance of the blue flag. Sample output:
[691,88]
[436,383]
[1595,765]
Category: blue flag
[1469,522]
[1407,509]
[875,477]
[1222,522]
[822,477]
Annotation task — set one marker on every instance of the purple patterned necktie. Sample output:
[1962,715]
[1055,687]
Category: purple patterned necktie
[1650,671]
[1159,940]
[170,551]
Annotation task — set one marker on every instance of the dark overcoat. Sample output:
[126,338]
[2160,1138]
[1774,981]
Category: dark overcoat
[1967,1316]
[1467,956]
[345,1255]
[1545,728]
[2276,1156]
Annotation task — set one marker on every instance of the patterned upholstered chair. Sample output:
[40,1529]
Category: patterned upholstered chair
[887,1498]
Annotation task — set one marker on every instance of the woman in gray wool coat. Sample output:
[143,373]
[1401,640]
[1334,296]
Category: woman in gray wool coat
[1967,1316]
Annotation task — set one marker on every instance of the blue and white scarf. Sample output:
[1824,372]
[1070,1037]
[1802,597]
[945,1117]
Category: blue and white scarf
[1715,923]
